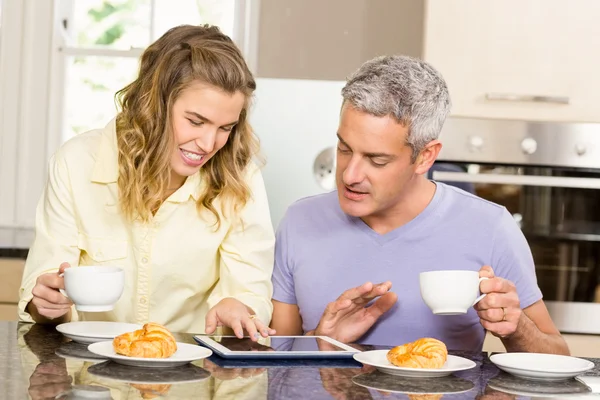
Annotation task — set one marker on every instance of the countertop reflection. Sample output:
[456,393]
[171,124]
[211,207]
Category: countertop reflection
[37,362]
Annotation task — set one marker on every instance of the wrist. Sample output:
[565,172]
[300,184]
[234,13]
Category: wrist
[229,299]
[321,332]
[318,331]
[40,319]
[521,331]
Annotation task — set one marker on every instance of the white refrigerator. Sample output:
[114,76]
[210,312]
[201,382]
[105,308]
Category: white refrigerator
[296,120]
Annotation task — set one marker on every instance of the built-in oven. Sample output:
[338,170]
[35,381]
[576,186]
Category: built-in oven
[548,176]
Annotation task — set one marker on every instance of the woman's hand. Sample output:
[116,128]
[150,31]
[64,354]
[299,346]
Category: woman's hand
[48,302]
[225,374]
[237,316]
[49,380]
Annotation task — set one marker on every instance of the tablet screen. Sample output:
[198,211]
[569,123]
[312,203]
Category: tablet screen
[274,343]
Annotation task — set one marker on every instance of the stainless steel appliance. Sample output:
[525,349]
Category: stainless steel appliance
[548,176]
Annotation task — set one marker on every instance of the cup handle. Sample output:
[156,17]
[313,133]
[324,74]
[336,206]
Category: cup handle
[477,300]
[62,291]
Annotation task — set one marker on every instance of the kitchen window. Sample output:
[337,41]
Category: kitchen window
[101,42]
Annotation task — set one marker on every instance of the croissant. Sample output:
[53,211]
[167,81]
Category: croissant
[152,341]
[422,353]
[425,396]
[150,390]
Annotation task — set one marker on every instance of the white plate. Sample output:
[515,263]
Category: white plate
[547,367]
[185,353]
[378,359]
[87,332]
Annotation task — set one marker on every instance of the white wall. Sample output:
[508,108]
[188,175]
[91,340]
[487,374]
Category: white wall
[295,120]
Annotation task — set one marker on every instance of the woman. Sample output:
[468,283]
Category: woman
[169,192]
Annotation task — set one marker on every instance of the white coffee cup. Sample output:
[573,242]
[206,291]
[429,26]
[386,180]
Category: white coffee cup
[94,288]
[450,292]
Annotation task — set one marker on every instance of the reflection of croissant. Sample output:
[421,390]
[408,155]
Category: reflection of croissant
[150,391]
[425,396]
[422,353]
[152,341]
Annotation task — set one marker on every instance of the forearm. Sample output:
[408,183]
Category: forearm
[40,319]
[528,338]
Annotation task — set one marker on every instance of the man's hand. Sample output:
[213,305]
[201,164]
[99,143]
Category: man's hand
[500,310]
[338,383]
[347,319]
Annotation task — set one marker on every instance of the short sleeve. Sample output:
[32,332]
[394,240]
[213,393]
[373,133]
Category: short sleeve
[283,276]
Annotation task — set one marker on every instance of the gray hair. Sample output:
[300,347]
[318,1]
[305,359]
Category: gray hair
[406,88]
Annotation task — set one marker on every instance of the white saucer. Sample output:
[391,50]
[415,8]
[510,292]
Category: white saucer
[188,373]
[78,351]
[411,385]
[533,393]
[547,367]
[377,359]
[87,332]
[185,353]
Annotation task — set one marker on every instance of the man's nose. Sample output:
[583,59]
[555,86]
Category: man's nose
[353,173]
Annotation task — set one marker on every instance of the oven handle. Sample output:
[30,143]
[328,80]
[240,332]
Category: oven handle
[524,180]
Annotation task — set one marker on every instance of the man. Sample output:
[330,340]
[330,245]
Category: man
[387,223]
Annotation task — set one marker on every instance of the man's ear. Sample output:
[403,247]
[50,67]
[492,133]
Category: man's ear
[427,156]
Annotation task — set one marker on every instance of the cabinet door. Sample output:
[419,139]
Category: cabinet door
[514,59]
[329,39]
[11,271]
[9,312]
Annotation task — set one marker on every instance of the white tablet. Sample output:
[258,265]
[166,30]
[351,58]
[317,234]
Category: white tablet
[277,347]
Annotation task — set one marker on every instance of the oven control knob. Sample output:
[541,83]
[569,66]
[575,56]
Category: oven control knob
[580,149]
[529,146]
[475,143]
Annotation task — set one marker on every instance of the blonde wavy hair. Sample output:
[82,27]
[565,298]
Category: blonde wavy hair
[145,139]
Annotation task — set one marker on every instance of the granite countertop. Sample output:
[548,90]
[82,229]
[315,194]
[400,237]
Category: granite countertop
[38,362]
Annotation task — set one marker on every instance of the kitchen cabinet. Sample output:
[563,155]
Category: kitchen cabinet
[8,312]
[527,60]
[11,271]
[327,40]
[512,59]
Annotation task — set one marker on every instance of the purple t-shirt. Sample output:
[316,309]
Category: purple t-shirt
[320,252]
